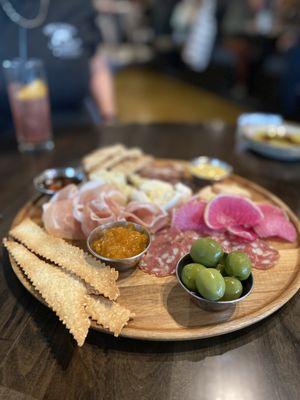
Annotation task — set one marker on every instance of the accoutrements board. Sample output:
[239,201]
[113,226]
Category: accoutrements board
[163,311]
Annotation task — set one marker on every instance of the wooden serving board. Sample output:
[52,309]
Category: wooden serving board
[163,309]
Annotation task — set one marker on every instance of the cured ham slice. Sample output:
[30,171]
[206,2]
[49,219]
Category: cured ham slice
[58,216]
[98,204]
[275,223]
[149,215]
[97,192]
[95,214]
[69,192]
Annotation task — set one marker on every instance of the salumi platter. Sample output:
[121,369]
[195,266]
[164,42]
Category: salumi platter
[164,311]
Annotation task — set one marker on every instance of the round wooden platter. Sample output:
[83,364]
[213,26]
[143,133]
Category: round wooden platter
[163,310]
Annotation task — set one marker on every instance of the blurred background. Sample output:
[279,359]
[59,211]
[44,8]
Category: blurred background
[144,61]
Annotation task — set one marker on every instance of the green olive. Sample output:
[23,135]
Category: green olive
[233,288]
[188,275]
[210,284]
[221,264]
[221,269]
[238,265]
[206,251]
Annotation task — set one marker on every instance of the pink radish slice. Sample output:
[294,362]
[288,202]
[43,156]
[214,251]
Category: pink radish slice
[275,224]
[242,232]
[226,211]
[190,216]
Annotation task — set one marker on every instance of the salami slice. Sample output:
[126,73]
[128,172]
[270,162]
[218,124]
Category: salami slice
[170,244]
[166,249]
[187,240]
[261,254]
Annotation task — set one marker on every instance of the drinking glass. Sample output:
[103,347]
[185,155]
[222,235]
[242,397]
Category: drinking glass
[29,101]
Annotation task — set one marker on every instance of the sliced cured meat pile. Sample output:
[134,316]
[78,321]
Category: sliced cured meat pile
[72,213]
[166,249]
[170,244]
[261,254]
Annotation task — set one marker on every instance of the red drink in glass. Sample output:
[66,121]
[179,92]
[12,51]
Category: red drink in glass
[28,95]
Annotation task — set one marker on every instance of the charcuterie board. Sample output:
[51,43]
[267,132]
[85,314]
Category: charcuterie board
[163,311]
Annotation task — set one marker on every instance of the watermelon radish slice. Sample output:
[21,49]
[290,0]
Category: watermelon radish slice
[242,232]
[226,211]
[190,217]
[275,224]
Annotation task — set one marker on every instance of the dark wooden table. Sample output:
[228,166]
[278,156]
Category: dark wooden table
[38,358]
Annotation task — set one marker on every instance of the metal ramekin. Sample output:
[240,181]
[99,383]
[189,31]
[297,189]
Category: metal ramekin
[118,263]
[51,173]
[210,305]
[214,161]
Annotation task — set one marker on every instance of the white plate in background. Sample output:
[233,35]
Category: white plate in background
[278,152]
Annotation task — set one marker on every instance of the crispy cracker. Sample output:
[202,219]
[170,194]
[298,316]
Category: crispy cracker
[95,159]
[120,157]
[64,293]
[110,315]
[132,165]
[73,259]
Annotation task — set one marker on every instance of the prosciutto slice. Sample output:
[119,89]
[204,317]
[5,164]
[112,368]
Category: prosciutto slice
[58,216]
[149,215]
[73,213]
[98,204]
[100,195]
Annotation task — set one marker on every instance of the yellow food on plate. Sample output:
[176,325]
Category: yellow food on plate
[208,171]
[32,91]
[278,138]
[71,258]
[120,242]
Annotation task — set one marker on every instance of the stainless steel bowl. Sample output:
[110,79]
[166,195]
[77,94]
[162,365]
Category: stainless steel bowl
[210,305]
[119,263]
[213,161]
[52,173]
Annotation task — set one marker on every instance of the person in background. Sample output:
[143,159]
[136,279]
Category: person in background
[200,40]
[289,45]
[238,17]
[66,40]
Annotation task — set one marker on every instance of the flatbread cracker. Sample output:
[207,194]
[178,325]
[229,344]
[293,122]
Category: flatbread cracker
[110,315]
[95,159]
[64,293]
[132,165]
[126,154]
[73,259]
